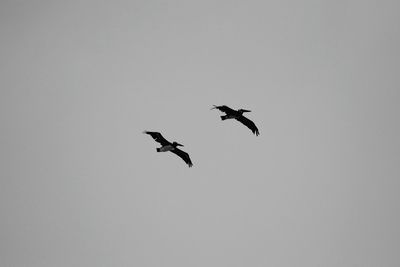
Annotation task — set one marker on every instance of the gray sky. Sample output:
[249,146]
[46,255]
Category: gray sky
[82,186]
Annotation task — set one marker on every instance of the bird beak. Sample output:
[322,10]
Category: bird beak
[179,144]
[214,107]
[246,110]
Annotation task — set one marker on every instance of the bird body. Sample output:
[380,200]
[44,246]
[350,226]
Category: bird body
[165,148]
[168,146]
[237,115]
[230,116]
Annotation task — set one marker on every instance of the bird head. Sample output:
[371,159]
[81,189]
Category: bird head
[244,110]
[175,144]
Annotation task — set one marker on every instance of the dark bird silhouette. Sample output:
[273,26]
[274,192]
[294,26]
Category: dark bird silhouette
[168,146]
[237,115]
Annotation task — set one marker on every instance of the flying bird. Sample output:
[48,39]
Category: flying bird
[168,146]
[237,115]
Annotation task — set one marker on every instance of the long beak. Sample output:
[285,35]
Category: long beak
[214,107]
[179,144]
[246,110]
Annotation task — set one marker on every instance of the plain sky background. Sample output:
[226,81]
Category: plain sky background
[82,186]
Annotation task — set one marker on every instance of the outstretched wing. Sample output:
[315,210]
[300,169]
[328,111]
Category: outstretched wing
[225,109]
[157,137]
[249,124]
[183,155]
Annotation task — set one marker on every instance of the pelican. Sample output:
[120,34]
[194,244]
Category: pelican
[237,115]
[168,146]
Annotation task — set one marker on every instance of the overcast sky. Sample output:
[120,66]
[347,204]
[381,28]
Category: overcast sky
[82,186]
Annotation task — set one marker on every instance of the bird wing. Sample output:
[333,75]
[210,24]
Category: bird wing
[157,137]
[225,109]
[249,124]
[183,155]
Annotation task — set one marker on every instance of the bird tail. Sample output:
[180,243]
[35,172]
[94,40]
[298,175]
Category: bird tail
[224,117]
